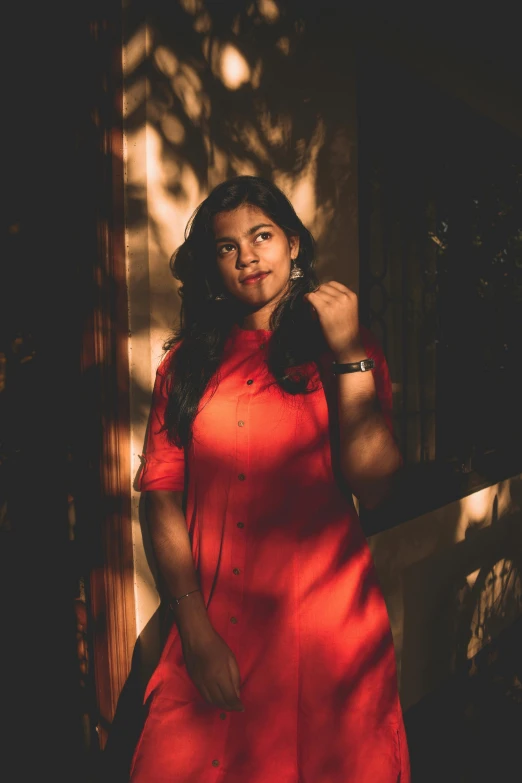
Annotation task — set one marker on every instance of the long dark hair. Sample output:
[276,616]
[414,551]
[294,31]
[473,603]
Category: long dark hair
[205,322]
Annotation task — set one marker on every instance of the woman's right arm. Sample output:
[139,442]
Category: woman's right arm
[210,662]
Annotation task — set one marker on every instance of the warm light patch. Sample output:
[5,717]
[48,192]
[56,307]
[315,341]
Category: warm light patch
[134,96]
[268,10]
[243,167]
[203,23]
[482,508]
[153,156]
[166,61]
[277,130]
[283,44]
[475,509]
[173,129]
[187,86]
[191,6]
[236,25]
[252,141]
[257,72]
[135,50]
[234,69]
[135,160]
[472,578]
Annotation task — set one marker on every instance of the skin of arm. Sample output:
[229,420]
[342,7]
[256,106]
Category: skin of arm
[210,663]
[369,457]
[173,552]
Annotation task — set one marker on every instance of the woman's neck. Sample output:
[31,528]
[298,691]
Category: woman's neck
[254,321]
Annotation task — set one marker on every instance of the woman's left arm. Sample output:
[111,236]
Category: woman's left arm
[369,456]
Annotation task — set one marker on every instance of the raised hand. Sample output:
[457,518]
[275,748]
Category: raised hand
[338,312]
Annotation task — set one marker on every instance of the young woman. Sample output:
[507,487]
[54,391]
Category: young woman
[271,407]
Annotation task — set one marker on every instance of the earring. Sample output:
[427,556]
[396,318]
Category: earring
[217,297]
[296,271]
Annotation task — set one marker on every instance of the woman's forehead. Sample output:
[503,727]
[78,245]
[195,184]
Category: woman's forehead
[239,221]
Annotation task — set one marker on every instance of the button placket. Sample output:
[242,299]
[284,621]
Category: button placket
[238,510]
[218,742]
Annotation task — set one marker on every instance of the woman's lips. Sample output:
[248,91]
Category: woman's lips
[256,279]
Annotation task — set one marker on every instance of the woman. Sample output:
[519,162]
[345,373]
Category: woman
[280,663]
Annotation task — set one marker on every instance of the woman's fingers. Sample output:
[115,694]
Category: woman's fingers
[215,673]
[217,698]
[229,695]
[235,681]
[338,286]
[221,694]
[324,296]
[329,291]
[234,675]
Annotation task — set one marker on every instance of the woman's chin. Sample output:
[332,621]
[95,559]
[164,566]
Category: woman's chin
[254,300]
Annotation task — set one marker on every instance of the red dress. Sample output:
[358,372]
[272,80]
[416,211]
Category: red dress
[290,585]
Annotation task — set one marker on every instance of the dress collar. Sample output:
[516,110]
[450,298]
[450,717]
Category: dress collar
[238,334]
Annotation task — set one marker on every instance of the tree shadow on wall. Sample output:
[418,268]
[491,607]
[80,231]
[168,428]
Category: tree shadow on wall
[236,88]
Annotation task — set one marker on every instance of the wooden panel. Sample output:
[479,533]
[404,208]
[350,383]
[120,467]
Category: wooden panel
[105,375]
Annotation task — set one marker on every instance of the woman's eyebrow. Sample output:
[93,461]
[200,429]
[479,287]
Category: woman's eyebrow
[248,233]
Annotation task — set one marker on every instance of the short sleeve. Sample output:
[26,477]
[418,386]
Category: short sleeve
[163,464]
[381,375]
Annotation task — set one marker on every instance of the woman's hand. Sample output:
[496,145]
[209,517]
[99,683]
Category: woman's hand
[338,312]
[213,669]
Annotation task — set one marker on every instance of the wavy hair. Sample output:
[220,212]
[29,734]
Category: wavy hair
[205,323]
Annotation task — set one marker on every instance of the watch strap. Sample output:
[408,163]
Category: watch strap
[363,366]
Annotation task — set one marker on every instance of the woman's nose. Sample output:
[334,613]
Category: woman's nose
[246,255]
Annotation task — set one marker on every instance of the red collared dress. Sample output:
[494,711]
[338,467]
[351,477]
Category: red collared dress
[289,583]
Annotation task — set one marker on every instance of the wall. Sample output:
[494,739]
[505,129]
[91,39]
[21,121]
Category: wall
[211,92]
[251,88]
[452,580]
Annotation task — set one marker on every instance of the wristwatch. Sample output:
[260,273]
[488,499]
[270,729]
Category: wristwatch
[362,366]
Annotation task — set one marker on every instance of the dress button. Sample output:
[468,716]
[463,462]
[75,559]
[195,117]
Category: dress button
[241,424]
[249,383]
[241,477]
[236,571]
[240,524]
[215,763]
[233,620]
[223,716]
[261,345]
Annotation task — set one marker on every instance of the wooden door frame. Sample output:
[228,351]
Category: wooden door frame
[105,361]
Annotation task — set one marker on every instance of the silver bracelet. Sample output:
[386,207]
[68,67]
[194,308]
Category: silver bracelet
[181,597]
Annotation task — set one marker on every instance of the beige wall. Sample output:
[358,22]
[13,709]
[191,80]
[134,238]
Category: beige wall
[441,573]
[177,148]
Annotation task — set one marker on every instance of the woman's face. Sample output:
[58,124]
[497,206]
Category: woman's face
[249,243]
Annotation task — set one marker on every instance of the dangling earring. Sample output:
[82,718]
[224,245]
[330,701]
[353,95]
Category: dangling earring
[296,271]
[217,297]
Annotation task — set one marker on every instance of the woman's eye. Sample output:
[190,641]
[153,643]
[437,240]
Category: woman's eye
[264,235]
[225,249]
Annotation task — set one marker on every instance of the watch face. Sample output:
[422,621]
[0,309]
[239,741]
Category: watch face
[367,364]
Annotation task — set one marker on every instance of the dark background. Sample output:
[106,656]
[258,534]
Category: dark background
[54,60]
